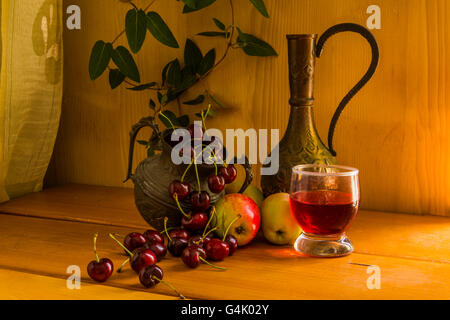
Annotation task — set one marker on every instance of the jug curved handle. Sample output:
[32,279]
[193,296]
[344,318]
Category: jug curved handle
[144,122]
[248,173]
[352,27]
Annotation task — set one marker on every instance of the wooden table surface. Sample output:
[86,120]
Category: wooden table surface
[44,233]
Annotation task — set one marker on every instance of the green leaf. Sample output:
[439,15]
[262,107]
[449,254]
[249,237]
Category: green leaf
[213,34]
[152,104]
[188,80]
[99,60]
[136,29]
[259,4]
[164,72]
[143,86]
[190,3]
[174,76]
[200,4]
[159,29]
[115,78]
[254,46]
[124,60]
[195,101]
[207,62]
[183,120]
[212,113]
[150,152]
[168,115]
[159,94]
[192,55]
[216,101]
[219,24]
[142,142]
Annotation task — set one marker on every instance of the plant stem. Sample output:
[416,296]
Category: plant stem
[123,31]
[95,247]
[175,196]
[122,265]
[171,124]
[213,211]
[170,286]
[186,171]
[210,264]
[229,44]
[212,230]
[121,245]
[165,228]
[229,226]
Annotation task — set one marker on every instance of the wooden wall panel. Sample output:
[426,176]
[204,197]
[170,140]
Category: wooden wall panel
[396,130]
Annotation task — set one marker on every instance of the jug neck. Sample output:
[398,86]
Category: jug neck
[301,50]
[301,126]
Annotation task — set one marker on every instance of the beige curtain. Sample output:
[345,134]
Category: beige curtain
[30,92]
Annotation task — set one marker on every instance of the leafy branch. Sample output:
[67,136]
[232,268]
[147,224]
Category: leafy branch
[176,77]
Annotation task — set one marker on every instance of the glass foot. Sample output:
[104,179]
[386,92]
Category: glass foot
[324,246]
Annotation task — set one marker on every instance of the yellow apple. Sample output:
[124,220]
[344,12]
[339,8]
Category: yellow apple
[278,225]
[252,191]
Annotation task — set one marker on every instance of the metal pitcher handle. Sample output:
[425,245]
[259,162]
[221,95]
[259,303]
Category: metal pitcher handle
[144,122]
[352,27]
[248,173]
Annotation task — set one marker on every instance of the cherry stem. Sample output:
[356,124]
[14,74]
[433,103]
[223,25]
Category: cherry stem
[229,226]
[170,286]
[175,196]
[186,171]
[118,235]
[196,174]
[170,122]
[165,228]
[212,230]
[95,247]
[204,116]
[120,244]
[213,211]
[171,228]
[210,264]
[122,265]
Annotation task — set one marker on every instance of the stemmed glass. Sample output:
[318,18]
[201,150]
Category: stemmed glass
[324,200]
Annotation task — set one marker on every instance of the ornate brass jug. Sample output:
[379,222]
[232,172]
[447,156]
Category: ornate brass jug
[301,143]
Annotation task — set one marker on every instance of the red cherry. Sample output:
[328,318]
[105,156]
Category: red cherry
[150,276]
[153,236]
[181,189]
[179,233]
[191,256]
[141,258]
[200,200]
[196,241]
[229,173]
[176,246]
[159,249]
[195,131]
[134,240]
[216,183]
[206,240]
[195,222]
[217,250]
[100,271]
[232,243]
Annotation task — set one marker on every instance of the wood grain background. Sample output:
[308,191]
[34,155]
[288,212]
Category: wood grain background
[396,131]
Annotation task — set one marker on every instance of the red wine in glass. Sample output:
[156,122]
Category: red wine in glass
[324,200]
[323,212]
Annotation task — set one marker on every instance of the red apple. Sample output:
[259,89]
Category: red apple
[228,209]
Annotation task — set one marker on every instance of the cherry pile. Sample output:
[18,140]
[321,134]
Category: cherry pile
[144,250]
[193,241]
